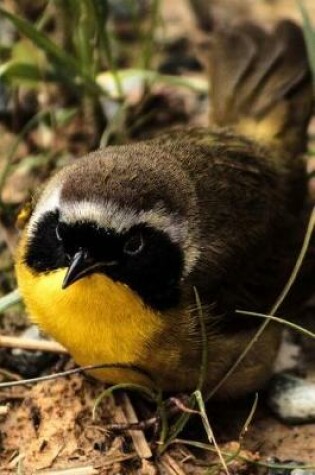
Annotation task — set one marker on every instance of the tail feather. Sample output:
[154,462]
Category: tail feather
[261,84]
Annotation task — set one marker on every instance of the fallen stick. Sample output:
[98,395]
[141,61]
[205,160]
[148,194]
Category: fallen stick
[89,470]
[141,445]
[4,410]
[171,466]
[32,345]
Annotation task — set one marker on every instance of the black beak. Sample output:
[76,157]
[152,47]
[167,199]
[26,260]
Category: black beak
[80,266]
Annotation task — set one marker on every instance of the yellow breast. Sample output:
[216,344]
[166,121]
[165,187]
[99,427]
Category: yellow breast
[98,320]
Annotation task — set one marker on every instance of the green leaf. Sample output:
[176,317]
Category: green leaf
[25,72]
[24,51]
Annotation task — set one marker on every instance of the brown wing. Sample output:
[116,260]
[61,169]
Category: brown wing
[261,84]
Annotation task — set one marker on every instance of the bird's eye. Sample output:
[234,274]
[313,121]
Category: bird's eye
[134,244]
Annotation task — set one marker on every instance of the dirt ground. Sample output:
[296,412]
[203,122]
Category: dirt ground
[48,428]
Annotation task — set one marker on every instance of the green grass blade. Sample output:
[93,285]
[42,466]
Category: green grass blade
[309,35]
[27,72]
[40,40]
[240,456]
[63,61]
[149,37]
[10,299]
[282,321]
[132,387]
[85,35]
[182,420]
[208,429]
[204,339]
[101,14]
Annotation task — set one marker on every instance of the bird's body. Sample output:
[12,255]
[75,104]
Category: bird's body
[131,231]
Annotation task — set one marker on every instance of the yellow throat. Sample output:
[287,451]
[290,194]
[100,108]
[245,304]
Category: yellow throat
[98,320]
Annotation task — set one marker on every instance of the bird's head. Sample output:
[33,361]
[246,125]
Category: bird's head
[118,216]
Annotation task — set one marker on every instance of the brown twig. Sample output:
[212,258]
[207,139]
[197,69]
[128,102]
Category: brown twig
[140,425]
[171,466]
[140,443]
[32,345]
[8,396]
[88,470]
[10,375]
[182,407]
[108,463]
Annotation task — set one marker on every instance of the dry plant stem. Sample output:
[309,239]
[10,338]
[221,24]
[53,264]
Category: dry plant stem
[71,471]
[63,374]
[249,418]
[181,406]
[148,468]
[171,466]
[51,377]
[140,443]
[203,331]
[275,466]
[32,345]
[275,307]
[141,425]
[183,419]
[229,459]
[282,321]
[7,396]
[15,462]
[152,421]
[111,390]
[119,459]
[10,375]
[209,430]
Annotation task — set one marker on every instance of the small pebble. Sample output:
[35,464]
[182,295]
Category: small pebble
[28,364]
[300,471]
[291,467]
[292,399]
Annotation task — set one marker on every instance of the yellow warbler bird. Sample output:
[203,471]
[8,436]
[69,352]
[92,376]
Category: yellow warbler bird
[117,242]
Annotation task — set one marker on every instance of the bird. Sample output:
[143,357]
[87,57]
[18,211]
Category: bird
[118,244]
